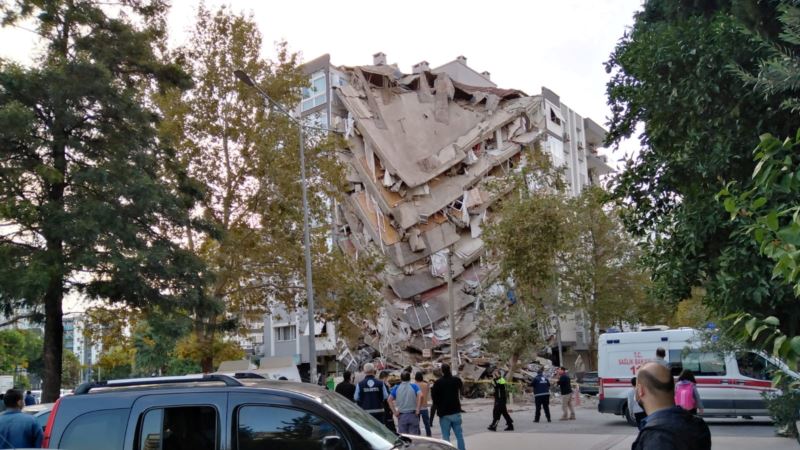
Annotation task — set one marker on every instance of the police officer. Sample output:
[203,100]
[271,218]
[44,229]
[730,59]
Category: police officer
[500,398]
[371,393]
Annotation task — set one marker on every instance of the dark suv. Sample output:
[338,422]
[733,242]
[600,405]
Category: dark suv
[216,412]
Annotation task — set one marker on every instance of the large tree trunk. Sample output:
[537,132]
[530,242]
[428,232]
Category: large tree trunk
[53,342]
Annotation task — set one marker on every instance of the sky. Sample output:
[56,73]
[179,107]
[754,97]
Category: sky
[560,44]
[524,44]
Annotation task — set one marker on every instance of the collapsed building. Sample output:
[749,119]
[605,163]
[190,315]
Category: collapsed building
[428,155]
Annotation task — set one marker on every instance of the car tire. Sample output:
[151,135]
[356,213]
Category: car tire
[628,416]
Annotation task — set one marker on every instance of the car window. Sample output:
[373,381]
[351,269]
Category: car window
[755,366]
[84,432]
[700,363]
[269,427]
[181,428]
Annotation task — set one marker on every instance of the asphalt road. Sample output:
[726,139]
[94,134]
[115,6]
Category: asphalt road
[595,431]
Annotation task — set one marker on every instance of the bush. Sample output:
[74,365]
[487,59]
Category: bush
[783,410]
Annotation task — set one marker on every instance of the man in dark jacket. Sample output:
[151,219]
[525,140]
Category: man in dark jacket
[446,393]
[371,393]
[541,395]
[346,388]
[565,386]
[666,427]
[500,398]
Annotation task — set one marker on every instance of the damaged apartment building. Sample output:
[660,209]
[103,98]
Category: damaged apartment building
[427,155]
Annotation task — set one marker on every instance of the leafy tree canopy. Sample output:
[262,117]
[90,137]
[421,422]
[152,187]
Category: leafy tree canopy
[676,74]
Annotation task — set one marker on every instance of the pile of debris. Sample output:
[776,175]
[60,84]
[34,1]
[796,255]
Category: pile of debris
[427,158]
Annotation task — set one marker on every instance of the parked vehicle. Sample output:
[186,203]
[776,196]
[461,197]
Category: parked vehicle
[729,385]
[40,412]
[217,412]
[589,383]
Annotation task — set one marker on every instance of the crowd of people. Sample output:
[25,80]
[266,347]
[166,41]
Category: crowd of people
[666,412]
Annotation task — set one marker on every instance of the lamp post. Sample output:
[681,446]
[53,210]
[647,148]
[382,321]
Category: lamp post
[312,347]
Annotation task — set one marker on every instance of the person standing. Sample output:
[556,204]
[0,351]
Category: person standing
[330,382]
[29,399]
[686,395]
[346,388]
[565,386]
[634,407]
[424,388]
[500,400]
[446,394]
[405,399]
[661,354]
[18,430]
[541,395]
[666,426]
[388,416]
[371,393]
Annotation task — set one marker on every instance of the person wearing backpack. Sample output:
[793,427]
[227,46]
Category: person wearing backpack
[686,395]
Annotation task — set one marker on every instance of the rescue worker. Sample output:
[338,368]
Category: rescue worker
[500,399]
[371,393]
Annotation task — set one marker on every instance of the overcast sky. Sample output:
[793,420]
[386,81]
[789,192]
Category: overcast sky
[525,45]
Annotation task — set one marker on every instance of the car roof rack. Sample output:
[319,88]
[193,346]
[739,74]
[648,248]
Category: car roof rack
[84,388]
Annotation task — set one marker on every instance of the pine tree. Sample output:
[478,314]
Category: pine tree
[89,196]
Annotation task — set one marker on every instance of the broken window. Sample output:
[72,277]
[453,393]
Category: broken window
[554,117]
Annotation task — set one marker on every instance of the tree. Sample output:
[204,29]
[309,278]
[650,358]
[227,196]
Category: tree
[71,375]
[764,209]
[250,166]
[674,74]
[601,277]
[18,349]
[89,196]
[528,232]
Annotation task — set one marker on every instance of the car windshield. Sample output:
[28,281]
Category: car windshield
[368,427]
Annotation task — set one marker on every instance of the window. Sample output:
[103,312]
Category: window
[700,363]
[183,428]
[267,427]
[316,94]
[83,432]
[554,117]
[287,333]
[755,366]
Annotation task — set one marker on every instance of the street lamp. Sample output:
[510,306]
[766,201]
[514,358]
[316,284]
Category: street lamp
[312,347]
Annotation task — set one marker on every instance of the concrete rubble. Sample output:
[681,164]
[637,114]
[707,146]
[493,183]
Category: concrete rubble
[426,161]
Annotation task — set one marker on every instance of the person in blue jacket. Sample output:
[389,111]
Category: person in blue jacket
[541,395]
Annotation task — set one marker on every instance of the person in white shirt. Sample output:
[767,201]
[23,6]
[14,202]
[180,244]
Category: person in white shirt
[633,406]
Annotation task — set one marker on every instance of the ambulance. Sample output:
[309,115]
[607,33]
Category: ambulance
[730,385]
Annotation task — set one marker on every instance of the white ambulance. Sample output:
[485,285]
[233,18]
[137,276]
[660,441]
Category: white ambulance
[729,385]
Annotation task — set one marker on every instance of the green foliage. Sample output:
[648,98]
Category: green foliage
[783,410]
[528,233]
[672,74]
[249,163]
[600,271]
[768,212]
[92,195]
[18,349]
[71,372]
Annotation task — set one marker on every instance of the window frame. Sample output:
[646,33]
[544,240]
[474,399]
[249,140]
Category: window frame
[311,97]
[218,427]
[342,431]
[279,335]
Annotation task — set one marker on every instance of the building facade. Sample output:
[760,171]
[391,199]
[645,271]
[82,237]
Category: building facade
[422,148]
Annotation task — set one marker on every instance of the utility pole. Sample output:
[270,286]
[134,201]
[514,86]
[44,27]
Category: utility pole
[452,307]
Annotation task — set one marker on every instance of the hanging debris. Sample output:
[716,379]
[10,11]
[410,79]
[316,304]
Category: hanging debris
[422,152]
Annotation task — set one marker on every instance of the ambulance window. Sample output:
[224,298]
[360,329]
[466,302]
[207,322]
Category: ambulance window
[704,364]
[675,364]
[755,366]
